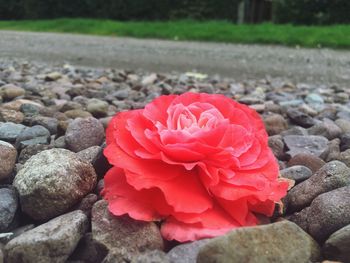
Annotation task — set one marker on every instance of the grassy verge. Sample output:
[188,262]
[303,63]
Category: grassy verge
[337,36]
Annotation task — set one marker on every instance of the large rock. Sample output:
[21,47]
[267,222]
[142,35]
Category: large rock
[337,245]
[327,213]
[316,145]
[53,181]
[331,176]
[52,242]
[279,242]
[84,133]
[8,156]
[122,232]
[8,208]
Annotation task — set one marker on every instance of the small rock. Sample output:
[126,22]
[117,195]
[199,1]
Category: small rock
[344,125]
[11,116]
[148,80]
[298,173]
[151,256]
[186,253]
[122,231]
[8,156]
[260,244]
[331,176]
[8,208]
[275,124]
[344,142]
[300,118]
[98,108]
[337,245]
[10,131]
[345,157]
[84,133]
[53,241]
[74,114]
[47,122]
[316,145]
[327,213]
[53,181]
[295,131]
[10,91]
[31,133]
[17,104]
[334,150]
[30,110]
[87,203]
[277,146]
[327,129]
[90,154]
[53,76]
[310,161]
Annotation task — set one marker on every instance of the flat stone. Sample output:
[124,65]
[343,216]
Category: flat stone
[300,118]
[31,133]
[186,253]
[9,131]
[53,181]
[122,232]
[53,241]
[337,245]
[316,145]
[298,173]
[84,133]
[331,176]
[49,123]
[279,242]
[327,213]
[8,156]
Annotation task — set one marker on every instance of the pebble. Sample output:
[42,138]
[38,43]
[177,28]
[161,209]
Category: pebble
[310,161]
[312,144]
[53,241]
[38,132]
[276,144]
[331,176]
[345,141]
[337,245]
[327,129]
[279,242]
[73,114]
[47,122]
[186,253]
[343,124]
[53,181]
[123,232]
[300,118]
[8,156]
[10,91]
[84,133]
[98,108]
[298,173]
[11,116]
[9,131]
[275,124]
[8,208]
[327,213]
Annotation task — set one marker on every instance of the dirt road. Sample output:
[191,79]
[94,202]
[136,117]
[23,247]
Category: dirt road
[236,61]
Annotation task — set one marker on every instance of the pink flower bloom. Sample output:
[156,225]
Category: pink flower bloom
[199,163]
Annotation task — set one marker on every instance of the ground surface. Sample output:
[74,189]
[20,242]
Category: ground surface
[236,61]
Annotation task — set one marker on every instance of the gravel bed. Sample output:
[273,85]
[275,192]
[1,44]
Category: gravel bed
[52,134]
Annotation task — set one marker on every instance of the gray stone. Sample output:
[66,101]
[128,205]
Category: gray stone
[277,146]
[47,122]
[122,232]
[316,145]
[327,129]
[152,256]
[29,109]
[327,213]
[296,130]
[53,181]
[10,131]
[345,142]
[38,132]
[315,101]
[8,208]
[278,242]
[84,133]
[52,242]
[186,253]
[334,150]
[345,157]
[331,176]
[300,118]
[298,173]
[90,154]
[32,150]
[337,245]
[8,156]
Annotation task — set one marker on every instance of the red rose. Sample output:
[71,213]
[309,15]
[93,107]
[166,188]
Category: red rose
[198,162]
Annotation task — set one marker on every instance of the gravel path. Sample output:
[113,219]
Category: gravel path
[237,61]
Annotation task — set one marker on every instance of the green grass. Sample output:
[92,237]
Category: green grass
[337,36]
